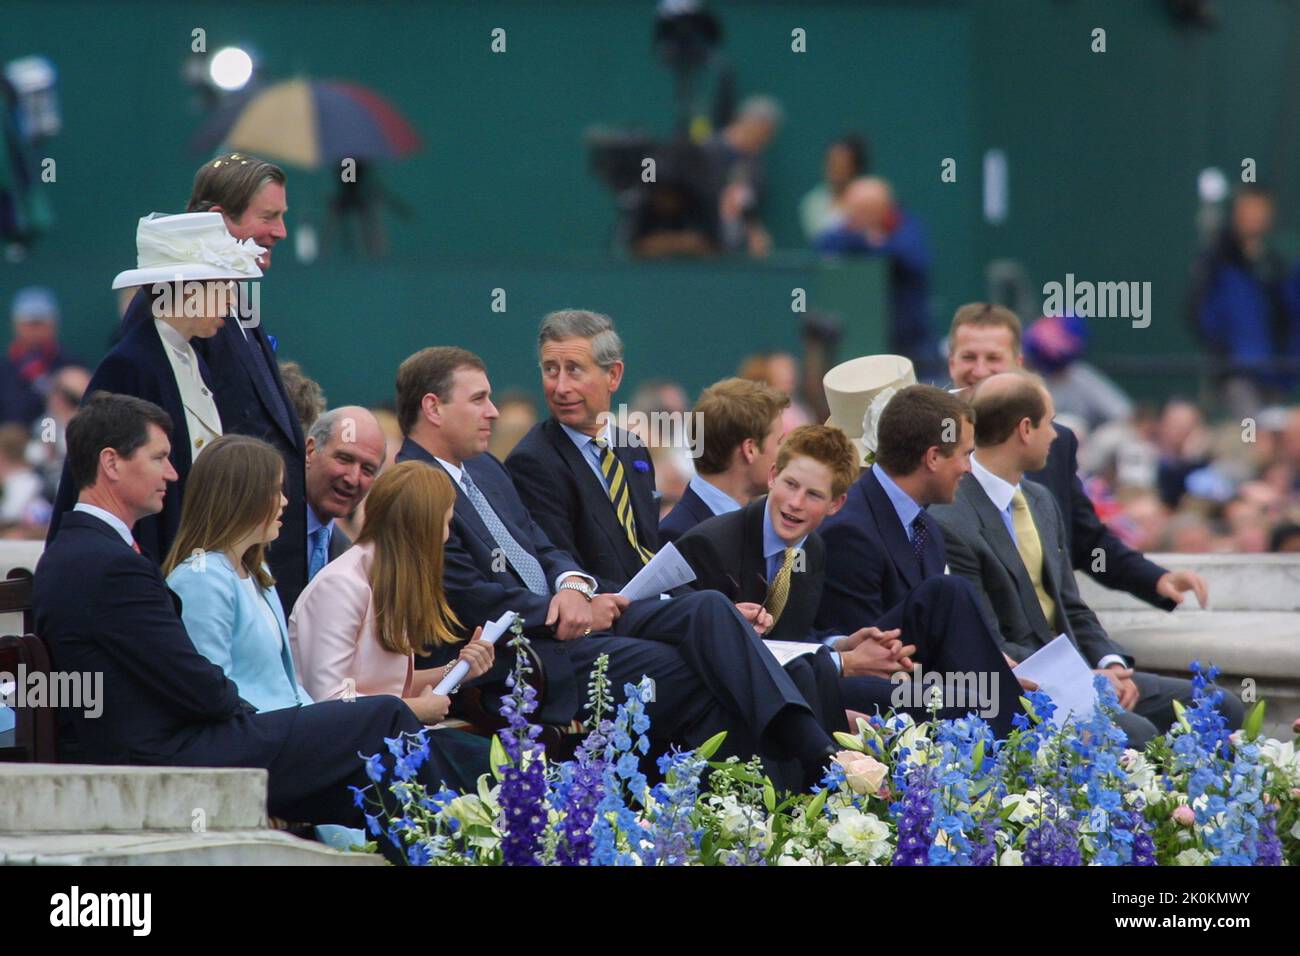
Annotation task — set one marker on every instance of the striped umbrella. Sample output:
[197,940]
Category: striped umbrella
[309,122]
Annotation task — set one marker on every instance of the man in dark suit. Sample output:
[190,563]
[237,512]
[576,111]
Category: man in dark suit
[589,484]
[709,671]
[165,703]
[1006,536]
[740,431]
[984,340]
[250,394]
[888,566]
[345,451]
[768,554]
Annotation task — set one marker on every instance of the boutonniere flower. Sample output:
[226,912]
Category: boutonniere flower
[273,342]
[641,466]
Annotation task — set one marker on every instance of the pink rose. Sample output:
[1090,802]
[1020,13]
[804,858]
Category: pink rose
[862,773]
[1184,815]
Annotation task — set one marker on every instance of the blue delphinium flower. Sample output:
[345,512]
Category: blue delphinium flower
[914,813]
[523,784]
[672,835]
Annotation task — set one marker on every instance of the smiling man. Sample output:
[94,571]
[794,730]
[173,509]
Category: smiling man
[345,451]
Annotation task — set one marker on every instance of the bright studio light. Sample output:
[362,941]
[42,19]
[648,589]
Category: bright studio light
[231,68]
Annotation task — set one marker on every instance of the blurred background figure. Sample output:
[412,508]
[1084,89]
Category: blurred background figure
[518,413]
[781,371]
[736,157]
[48,444]
[1246,306]
[34,355]
[874,225]
[1054,347]
[664,427]
[305,394]
[821,208]
[22,497]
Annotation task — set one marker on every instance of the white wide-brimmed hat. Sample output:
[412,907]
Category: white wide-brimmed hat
[858,390]
[188,246]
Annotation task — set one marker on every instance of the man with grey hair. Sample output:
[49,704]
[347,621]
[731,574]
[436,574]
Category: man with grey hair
[589,484]
[345,450]
[735,155]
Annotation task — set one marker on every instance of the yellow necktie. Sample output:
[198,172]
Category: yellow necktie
[619,496]
[779,592]
[1031,552]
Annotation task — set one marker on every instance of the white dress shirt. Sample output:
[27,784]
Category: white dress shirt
[201,416]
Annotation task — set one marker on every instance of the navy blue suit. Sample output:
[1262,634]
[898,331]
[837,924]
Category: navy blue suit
[164,703]
[709,670]
[1123,569]
[573,508]
[137,365]
[689,511]
[248,407]
[875,579]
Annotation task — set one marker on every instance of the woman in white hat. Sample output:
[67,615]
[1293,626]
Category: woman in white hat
[186,263]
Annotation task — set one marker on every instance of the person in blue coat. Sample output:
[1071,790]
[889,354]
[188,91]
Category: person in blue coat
[185,262]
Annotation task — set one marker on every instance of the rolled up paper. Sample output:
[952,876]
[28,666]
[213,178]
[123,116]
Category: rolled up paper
[492,631]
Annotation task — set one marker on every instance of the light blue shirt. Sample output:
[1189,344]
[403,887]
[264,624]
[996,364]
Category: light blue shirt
[717,500]
[904,506]
[591,452]
[773,546]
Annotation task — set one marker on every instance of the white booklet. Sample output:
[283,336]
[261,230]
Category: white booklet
[1062,674]
[786,651]
[665,571]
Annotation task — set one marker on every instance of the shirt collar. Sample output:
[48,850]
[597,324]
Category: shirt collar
[904,505]
[772,543]
[314,523]
[583,440]
[112,520]
[999,490]
[714,498]
[173,339]
[454,470]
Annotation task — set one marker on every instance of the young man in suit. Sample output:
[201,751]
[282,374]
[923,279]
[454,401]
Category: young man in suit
[165,703]
[589,484]
[888,564]
[251,397]
[345,451]
[768,553]
[738,440]
[984,340]
[709,670]
[1006,535]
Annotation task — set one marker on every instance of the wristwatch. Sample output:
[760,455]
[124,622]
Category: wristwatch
[579,585]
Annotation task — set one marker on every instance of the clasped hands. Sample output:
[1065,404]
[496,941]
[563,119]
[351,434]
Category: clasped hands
[573,616]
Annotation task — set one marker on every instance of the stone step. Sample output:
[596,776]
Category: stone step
[214,848]
[1237,582]
[78,798]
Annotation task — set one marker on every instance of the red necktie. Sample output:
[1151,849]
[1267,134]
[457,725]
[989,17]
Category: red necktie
[135,546]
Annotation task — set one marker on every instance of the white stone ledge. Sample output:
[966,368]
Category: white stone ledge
[224,848]
[1237,582]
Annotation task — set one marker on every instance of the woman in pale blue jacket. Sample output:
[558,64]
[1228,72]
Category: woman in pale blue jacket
[217,567]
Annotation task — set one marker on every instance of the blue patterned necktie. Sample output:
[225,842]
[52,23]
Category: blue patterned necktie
[319,555]
[523,562]
[920,537]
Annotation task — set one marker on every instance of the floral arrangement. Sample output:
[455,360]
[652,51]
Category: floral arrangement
[938,793]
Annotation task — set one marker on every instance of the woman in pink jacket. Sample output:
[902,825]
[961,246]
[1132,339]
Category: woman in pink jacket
[358,625]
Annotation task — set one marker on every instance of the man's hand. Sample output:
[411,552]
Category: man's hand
[569,614]
[1025,682]
[887,639]
[606,609]
[478,655]
[870,651]
[756,615]
[1172,584]
[1122,679]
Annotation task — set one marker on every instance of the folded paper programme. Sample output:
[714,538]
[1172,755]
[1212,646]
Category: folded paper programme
[1063,675]
[666,570]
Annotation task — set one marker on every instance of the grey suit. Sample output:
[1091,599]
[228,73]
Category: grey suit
[981,549]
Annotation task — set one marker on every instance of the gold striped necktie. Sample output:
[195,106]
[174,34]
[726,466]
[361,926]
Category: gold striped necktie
[1030,547]
[779,592]
[620,496]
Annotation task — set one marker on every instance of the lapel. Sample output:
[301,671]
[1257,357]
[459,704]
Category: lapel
[753,565]
[999,539]
[590,489]
[469,514]
[241,350]
[695,506]
[891,530]
[1047,537]
[146,333]
[203,407]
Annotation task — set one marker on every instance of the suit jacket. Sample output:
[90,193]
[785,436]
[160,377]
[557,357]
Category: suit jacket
[1123,569]
[138,366]
[481,585]
[159,693]
[339,542]
[335,643]
[981,550]
[875,565]
[726,553]
[227,624]
[689,511]
[247,408]
[573,508]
